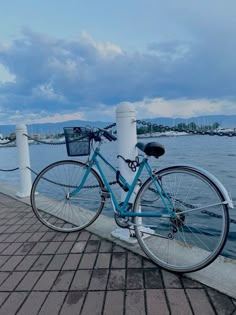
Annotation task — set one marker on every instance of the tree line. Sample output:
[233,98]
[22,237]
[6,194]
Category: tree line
[181,126]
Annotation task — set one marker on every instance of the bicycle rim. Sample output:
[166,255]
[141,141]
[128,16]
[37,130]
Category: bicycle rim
[193,236]
[50,201]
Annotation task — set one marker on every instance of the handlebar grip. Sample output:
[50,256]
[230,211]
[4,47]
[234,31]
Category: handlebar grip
[109,136]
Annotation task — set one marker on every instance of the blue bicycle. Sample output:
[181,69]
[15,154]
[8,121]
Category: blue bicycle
[179,214]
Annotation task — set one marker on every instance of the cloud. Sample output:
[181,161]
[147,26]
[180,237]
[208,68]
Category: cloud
[185,108]
[5,76]
[62,77]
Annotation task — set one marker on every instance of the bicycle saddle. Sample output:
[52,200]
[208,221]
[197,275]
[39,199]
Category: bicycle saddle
[151,148]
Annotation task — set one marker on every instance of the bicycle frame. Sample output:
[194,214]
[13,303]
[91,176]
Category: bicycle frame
[122,209]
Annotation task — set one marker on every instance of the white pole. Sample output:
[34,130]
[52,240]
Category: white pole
[24,161]
[127,139]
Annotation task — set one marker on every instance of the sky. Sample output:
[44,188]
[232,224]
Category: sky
[80,59]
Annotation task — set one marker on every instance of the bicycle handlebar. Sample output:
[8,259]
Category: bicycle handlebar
[102,132]
[109,136]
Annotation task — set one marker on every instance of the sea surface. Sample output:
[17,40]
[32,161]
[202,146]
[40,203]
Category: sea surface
[213,153]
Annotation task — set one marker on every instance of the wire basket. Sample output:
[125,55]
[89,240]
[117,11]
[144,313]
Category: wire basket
[77,141]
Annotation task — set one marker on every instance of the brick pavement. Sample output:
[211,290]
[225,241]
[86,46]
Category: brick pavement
[45,272]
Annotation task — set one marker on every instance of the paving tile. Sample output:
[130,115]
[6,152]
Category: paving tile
[48,236]
[3,260]
[29,281]
[63,281]
[118,249]
[46,281]
[3,276]
[152,279]
[134,261]
[13,303]
[118,260]
[103,260]
[13,228]
[171,280]
[11,263]
[135,279]
[24,237]
[94,237]
[78,247]
[57,262]
[38,248]
[43,228]
[12,237]
[11,249]
[116,279]
[200,301]
[222,303]
[178,302]
[114,303]
[72,236]
[12,281]
[32,220]
[134,303]
[28,228]
[93,303]
[191,284]
[3,237]
[3,229]
[3,297]
[59,237]
[156,302]
[27,262]
[52,303]
[99,279]
[71,262]
[25,249]
[81,280]
[51,248]
[87,261]
[92,246]
[84,235]
[33,303]
[148,264]
[65,248]
[73,303]
[105,246]
[42,262]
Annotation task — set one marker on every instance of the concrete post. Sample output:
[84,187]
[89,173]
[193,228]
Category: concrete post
[127,139]
[24,161]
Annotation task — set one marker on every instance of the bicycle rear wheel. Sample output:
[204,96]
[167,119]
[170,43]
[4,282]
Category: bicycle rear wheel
[50,196]
[194,234]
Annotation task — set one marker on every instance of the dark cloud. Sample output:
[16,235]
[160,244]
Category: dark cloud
[53,74]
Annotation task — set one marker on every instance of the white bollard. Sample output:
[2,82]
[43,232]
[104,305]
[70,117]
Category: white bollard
[24,161]
[127,139]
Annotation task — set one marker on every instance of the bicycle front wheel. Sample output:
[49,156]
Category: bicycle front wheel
[51,200]
[192,235]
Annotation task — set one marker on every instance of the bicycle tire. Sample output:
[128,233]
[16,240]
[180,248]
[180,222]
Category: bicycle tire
[193,239]
[49,196]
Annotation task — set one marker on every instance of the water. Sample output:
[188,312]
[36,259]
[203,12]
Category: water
[215,154]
